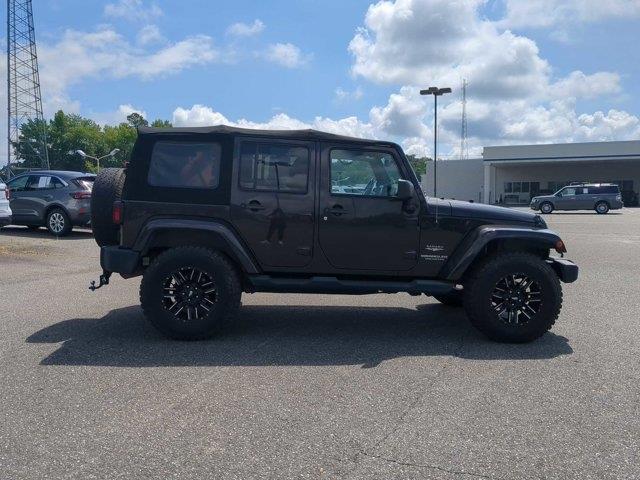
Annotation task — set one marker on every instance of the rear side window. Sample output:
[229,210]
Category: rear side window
[185,165]
[273,167]
[604,189]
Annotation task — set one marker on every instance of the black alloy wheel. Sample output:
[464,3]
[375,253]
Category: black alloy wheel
[189,293]
[516,299]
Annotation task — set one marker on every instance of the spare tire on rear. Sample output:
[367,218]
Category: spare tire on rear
[107,189]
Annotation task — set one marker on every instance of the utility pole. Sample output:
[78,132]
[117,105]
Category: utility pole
[436,92]
[23,84]
[464,146]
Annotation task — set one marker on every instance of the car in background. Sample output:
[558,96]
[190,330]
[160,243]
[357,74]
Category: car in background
[600,197]
[5,209]
[58,200]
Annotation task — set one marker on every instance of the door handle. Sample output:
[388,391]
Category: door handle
[254,206]
[336,210]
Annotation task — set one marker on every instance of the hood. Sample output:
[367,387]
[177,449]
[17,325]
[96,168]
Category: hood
[491,212]
[543,197]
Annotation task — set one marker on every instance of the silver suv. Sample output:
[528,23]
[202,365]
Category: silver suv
[57,200]
[600,197]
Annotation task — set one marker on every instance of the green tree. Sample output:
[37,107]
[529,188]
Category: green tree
[161,124]
[136,120]
[68,133]
[419,165]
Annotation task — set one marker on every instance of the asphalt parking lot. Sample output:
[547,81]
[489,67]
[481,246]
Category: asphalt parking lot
[312,386]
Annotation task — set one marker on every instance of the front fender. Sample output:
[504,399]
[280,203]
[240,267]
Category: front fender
[475,242]
[171,232]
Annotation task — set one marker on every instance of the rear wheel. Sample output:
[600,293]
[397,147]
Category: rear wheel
[513,297]
[546,207]
[58,222]
[602,208]
[190,293]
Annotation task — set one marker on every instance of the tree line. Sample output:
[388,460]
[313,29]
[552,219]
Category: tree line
[67,133]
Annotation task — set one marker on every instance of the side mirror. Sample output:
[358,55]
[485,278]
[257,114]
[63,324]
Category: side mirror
[406,190]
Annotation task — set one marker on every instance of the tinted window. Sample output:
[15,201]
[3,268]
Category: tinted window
[568,192]
[44,182]
[604,189]
[271,167]
[362,172]
[185,165]
[18,184]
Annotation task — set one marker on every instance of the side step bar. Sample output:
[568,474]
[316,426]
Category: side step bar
[266,283]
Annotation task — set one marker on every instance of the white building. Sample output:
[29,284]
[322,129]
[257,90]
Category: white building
[513,174]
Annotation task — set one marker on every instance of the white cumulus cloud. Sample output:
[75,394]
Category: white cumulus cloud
[286,55]
[246,30]
[133,10]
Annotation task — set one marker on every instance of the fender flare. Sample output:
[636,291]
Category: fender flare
[218,235]
[474,243]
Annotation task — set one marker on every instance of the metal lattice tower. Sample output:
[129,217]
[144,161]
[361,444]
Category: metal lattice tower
[464,146]
[23,84]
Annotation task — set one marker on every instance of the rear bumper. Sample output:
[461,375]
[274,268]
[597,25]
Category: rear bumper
[566,270]
[124,261]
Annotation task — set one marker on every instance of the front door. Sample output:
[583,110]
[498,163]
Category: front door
[363,226]
[23,198]
[272,202]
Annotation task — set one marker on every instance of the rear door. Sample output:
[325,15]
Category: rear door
[362,225]
[273,201]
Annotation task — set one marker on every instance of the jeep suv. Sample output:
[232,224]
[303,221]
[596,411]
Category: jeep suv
[205,214]
[600,197]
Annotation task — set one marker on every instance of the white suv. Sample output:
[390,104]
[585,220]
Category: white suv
[5,210]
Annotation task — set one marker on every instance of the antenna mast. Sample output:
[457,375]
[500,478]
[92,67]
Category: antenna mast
[23,87]
[464,146]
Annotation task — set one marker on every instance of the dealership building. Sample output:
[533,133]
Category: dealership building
[511,175]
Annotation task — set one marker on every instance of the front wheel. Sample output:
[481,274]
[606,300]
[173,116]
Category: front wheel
[190,293]
[546,208]
[513,297]
[602,208]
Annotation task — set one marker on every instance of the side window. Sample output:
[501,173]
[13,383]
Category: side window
[274,167]
[568,192]
[43,182]
[185,165]
[56,183]
[18,184]
[364,172]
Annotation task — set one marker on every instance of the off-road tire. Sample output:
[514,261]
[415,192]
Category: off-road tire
[52,222]
[451,299]
[482,281]
[225,278]
[602,208]
[546,205]
[107,188]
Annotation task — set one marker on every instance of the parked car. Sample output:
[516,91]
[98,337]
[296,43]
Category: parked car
[205,214]
[600,197]
[57,200]
[5,208]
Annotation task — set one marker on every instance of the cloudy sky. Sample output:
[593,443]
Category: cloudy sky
[539,71]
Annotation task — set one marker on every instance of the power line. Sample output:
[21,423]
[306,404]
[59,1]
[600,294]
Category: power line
[23,86]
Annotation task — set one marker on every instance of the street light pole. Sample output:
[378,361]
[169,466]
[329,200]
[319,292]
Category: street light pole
[436,92]
[112,153]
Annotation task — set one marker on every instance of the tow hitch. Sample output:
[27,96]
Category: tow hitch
[104,280]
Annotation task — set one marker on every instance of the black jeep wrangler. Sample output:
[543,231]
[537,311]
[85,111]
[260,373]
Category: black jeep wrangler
[204,214]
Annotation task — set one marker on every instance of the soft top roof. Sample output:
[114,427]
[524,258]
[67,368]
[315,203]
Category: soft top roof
[308,134]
